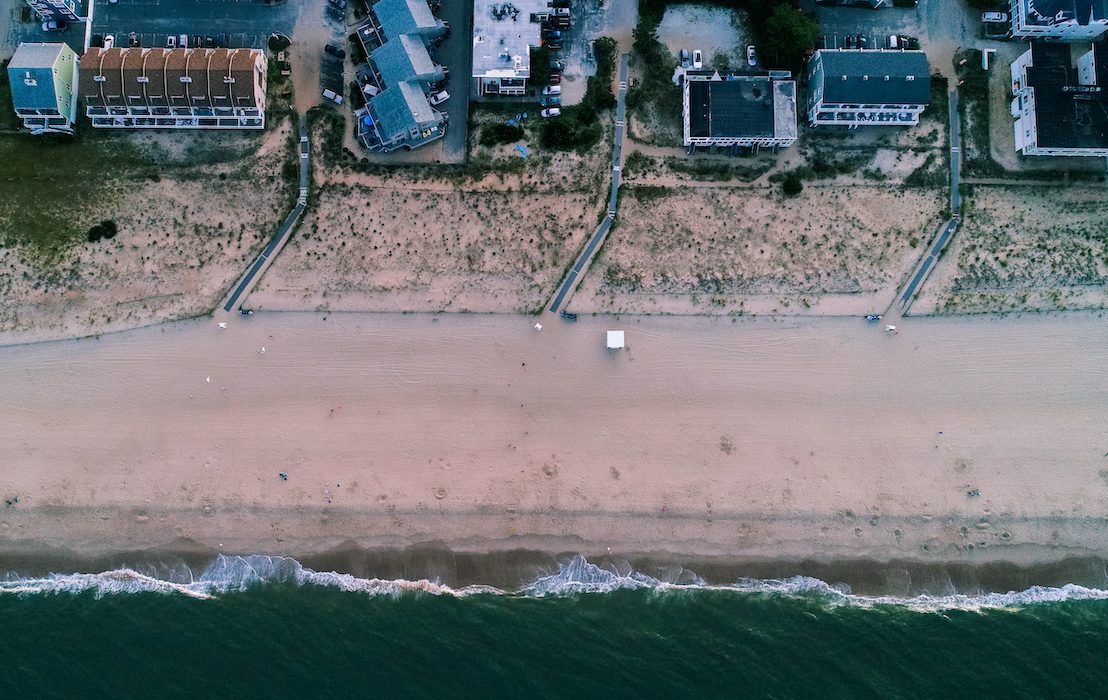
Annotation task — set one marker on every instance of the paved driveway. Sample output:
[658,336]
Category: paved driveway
[456,53]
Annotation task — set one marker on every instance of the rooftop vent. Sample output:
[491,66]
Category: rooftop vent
[28,80]
[910,77]
[844,77]
[886,78]
[227,80]
[99,79]
[186,79]
[143,79]
[865,77]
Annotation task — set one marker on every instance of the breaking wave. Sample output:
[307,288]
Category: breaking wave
[576,576]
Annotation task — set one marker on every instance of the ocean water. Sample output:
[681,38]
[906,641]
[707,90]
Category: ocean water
[269,627]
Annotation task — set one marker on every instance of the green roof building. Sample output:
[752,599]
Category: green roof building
[43,79]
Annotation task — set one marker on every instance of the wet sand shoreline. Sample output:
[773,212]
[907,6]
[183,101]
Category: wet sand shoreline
[748,440]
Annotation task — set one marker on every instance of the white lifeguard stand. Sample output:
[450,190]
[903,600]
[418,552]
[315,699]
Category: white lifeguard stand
[615,340]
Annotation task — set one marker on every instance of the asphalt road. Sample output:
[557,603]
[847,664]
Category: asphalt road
[613,196]
[281,236]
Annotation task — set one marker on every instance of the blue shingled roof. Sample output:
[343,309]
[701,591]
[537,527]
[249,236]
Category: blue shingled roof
[31,75]
[405,58]
[401,108]
[405,17]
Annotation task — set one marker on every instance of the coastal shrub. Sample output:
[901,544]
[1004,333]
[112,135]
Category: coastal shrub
[104,229]
[577,128]
[792,185]
[500,133]
[574,129]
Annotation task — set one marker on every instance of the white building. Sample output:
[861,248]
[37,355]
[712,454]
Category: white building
[739,109]
[867,87]
[1059,110]
[1066,20]
[43,81]
[503,34]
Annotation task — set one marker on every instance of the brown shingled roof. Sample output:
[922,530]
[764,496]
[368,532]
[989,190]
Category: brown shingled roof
[133,89]
[242,71]
[199,89]
[209,74]
[175,70]
[154,67]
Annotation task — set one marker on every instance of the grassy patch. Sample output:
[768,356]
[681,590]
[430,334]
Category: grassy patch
[53,179]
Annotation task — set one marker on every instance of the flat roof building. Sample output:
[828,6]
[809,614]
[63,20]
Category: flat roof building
[43,81]
[503,34]
[736,109]
[141,88]
[863,87]
[1060,110]
[1067,20]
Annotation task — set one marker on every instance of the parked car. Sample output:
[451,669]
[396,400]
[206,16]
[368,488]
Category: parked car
[555,43]
[439,97]
[171,41]
[851,41]
[893,42]
[332,96]
[561,11]
[335,51]
[551,101]
[560,3]
[990,17]
[686,59]
[552,90]
[555,78]
[697,59]
[751,57]
[109,41]
[550,112]
[558,65]
[54,25]
[863,41]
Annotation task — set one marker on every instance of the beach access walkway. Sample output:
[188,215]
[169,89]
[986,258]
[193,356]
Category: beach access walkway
[945,232]
[557,304]
[281,236]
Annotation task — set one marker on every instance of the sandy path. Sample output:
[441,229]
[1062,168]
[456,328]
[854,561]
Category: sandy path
[478,428]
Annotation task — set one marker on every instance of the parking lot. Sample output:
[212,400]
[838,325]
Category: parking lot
[231,23]
[874,26]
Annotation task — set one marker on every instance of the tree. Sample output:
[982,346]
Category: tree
[788,33]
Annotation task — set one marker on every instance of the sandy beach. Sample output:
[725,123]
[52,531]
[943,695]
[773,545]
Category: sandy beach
[821,439]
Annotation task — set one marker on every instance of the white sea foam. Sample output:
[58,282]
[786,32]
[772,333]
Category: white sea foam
[575,576]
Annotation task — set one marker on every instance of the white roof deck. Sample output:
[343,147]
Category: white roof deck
[502,36]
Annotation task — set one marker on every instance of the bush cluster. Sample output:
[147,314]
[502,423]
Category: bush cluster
[104,229]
